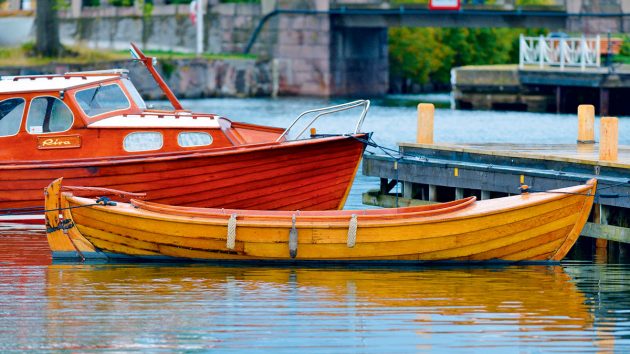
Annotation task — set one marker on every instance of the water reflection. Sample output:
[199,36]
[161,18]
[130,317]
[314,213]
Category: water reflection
[572,307]
[118,307]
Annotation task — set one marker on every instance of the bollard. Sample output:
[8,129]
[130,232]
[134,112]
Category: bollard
[426,112]
[586,124]
[608,138]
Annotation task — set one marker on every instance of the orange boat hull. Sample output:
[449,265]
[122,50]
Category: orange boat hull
[531,227]
[311,174]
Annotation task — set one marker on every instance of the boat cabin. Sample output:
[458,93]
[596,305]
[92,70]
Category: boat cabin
[101,114]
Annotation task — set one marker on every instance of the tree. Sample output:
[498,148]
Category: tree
[47,29]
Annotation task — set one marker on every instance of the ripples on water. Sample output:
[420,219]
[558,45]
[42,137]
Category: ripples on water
[565,308]
[573,307]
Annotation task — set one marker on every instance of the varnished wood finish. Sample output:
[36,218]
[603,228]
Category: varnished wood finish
[308,175]
[529,227]
[609,138]
[243,167]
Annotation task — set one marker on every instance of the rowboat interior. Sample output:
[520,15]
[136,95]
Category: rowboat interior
[531,227]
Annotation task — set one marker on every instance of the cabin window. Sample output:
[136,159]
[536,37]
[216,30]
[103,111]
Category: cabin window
[11,112]
[48,115]
[102,99]
[186,139]
[143,141]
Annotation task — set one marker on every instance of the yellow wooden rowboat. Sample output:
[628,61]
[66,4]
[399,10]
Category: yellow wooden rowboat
[528,227]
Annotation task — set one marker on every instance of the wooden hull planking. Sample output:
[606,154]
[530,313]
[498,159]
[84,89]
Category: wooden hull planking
[529,227]
[307,175]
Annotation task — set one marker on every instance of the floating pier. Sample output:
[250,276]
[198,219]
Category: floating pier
[436,172]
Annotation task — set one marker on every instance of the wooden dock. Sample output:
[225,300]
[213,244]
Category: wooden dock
[438,172]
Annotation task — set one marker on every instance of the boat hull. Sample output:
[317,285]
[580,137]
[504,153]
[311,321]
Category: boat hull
[535,227]
[308,175]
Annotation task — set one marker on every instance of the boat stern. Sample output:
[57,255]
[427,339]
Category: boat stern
[64,239]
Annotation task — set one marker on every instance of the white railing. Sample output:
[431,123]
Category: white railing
[580,52]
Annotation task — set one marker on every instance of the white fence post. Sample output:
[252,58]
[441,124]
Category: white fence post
[522,47]
[583,53]
[541,52]
[580,52]
[561,46]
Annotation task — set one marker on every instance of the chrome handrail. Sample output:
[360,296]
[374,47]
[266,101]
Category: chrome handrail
[330,110]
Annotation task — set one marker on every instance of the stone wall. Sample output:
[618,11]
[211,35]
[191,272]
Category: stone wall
[597,25]
[188,78]
[227,28]
[298,49]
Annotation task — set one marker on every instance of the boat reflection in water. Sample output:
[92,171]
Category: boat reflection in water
[382,310]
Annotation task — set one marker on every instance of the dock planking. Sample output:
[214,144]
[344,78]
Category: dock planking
[437,172]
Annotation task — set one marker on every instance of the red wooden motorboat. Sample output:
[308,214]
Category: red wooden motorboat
[93,128]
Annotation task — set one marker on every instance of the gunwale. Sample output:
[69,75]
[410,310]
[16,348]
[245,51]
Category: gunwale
[488,208]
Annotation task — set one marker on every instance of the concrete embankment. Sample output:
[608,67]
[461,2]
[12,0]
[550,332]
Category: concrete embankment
[188,78]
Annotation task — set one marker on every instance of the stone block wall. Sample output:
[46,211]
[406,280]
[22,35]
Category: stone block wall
[595,25]
[188,78]
[303,55]
[298,51]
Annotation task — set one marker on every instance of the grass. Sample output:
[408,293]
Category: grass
[23,57]
[168,54]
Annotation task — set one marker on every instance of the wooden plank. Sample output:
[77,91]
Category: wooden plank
[606,232]
[547,152]
[490,177]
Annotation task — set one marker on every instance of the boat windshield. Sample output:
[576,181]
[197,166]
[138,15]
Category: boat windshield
[135,95]
[102,99]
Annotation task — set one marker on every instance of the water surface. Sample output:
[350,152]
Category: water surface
[577,306]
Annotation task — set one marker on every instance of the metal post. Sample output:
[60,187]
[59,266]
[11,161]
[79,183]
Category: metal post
[200,19]
[541,47]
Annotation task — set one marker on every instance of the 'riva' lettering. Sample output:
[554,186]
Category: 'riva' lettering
[55,142]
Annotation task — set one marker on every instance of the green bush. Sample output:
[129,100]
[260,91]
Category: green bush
[121,3]
[427,54]
[93,3]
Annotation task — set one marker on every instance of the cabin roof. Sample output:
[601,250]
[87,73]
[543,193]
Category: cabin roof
[185,120]
[42,83]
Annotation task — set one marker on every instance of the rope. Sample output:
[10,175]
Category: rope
[102,201]
[231,232]
[352,231]
[64,224]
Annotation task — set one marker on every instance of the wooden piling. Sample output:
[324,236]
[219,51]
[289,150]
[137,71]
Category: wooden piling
[586,124]
[459,193]
[608,139]
[432,193]
[426,112]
